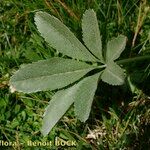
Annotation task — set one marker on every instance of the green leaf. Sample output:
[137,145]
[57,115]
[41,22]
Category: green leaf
[84,96]
[57,107]
[49,74]
[115,47]
[63,99]
[113,74]
[61,38]
[91,33]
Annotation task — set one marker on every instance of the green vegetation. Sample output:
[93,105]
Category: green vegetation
[120,115]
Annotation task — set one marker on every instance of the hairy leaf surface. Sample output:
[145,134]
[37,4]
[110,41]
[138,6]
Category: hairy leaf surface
[61,38]
[49,74]
[63,99]
[91,33]
[57,107]
[84,96]
[113,74]
[115,47]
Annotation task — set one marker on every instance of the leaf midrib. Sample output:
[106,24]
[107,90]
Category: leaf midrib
[115,75]
[116,54]
[56,74]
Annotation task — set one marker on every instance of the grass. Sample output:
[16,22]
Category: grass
[120,116]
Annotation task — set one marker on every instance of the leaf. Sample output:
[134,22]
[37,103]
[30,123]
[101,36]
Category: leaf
[63,99]
[57,107]
[84,96]
[91,33]
[113,74]
[49,74]
[115,47]
[61,38]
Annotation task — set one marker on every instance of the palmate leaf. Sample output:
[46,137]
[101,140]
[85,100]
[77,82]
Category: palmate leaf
[91,33]
[57,73]
[113,74]
[49,74]
[84,97]
[61,38]
[115,47]
[81,93]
